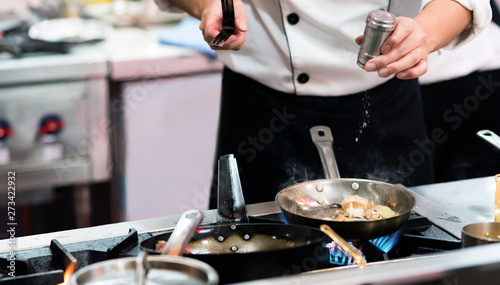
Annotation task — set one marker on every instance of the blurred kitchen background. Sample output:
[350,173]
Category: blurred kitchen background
[108,112]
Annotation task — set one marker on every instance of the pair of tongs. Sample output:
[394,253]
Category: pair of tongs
[227,24]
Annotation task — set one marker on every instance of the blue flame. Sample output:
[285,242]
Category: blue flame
[339,256]
[386,243]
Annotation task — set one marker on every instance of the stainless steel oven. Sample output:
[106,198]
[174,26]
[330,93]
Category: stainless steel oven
[54,126]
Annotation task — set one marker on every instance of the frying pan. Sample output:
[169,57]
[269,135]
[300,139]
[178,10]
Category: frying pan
[308,203]
[242,251]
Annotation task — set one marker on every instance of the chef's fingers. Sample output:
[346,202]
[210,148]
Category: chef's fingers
[414,72]
[402,50]
[211,21]
[359,40]
[406,62]
[404,28]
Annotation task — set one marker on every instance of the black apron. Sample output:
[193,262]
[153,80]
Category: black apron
[459,108]
[378,134]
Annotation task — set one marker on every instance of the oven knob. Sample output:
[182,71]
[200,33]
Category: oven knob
[51,125]
[5,130]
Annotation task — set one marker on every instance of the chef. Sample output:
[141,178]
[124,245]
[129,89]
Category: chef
[291,65]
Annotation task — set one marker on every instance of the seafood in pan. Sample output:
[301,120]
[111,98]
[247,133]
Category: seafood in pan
[354,208]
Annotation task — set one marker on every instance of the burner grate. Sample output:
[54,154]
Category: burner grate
[46,265]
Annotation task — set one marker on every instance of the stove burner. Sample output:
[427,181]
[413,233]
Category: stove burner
[61,258]
[47,265]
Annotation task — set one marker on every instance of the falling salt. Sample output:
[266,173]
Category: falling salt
[366,116]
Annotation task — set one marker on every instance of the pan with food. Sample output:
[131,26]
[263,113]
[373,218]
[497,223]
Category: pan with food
[241,251]
[354,208]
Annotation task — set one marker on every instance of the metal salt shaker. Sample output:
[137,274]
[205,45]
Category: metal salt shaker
[379,26]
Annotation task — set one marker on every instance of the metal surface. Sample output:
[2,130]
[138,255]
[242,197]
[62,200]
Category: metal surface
[252,251]
[481,233]
[53,68]
[182,233]
[323,139]
[243,239]
[450,223]
[303,204]
[231,207]
[161,270]
[490,137]
[263,246]
[78,154]
[308,203]
[379,26]
[470,199]
[358,257]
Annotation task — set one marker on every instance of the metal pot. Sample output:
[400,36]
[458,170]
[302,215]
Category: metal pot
[480,233]
[484,232]
[242,251]
[308,203]
[161,269]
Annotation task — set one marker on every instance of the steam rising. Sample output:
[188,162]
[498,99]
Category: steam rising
[299,173]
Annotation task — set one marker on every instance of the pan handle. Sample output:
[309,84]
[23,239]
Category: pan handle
[490,137]
[353,252]
[231,207]
[323,139]
[183,232]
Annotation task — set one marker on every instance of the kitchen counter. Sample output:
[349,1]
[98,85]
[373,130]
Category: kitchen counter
[473,200]
[136,54]
[127,54]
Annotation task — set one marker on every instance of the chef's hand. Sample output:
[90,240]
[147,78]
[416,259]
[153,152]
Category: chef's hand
[404,53]
[211,24]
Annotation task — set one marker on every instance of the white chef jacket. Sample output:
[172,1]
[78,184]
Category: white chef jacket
[481,54]
[316,55]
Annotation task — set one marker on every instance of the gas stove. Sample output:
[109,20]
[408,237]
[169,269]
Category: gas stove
[48,264]
[419,253]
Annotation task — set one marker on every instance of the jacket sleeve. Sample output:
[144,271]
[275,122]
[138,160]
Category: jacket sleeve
[165,5]
[481,17]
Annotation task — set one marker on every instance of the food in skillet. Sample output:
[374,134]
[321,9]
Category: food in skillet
[355,208]
[160,245]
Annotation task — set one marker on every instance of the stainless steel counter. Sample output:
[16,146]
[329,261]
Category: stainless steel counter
[472,199]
